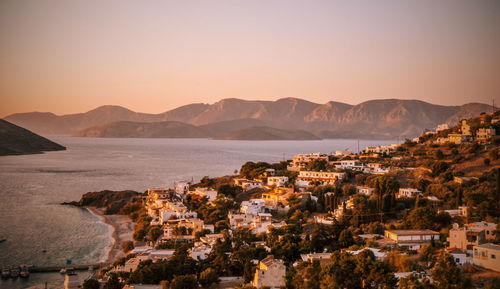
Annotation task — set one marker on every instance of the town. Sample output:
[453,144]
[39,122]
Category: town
[420,214]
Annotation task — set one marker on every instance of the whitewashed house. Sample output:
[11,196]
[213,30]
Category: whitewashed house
[277,181]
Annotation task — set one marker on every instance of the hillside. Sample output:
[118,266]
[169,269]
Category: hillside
[267,133]
[224,127]
[383,118]
[15,140]
[166,129]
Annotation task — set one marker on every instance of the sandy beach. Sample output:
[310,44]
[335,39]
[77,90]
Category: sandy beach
[123,230]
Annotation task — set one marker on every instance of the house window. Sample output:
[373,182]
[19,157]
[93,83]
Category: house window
[493,256]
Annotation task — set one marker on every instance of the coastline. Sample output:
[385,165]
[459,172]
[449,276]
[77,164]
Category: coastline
[122,230]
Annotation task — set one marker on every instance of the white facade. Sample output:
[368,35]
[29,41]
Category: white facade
[206,192]
[248,185]
[413,239]
[200,251]
[367,191]
[442,127]
[253,206]
[181,188]
[305,177]
[277,181]
[408,192]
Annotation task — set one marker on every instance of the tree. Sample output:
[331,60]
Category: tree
[317,165]
[386,188]
[91,284]
[421,218]
[113,282]
[439,167]
[184,282]
[208,277]
[493,154]
[447,275]
[438,154]
[154,233]
[127,246]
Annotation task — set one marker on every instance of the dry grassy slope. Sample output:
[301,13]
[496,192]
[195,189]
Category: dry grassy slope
[475,166]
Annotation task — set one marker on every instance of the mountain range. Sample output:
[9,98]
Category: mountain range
[382,119]
[15,140]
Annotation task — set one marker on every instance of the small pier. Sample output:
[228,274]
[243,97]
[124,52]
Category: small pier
[82,267]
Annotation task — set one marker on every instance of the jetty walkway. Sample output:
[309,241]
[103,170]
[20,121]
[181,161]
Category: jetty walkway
[44,269]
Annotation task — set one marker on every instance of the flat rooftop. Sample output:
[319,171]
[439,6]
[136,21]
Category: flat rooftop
[413,232]
[489,246]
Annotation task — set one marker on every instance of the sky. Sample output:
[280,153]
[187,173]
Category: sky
[152,56]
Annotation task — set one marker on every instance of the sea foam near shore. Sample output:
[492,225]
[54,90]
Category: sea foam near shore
[111,240]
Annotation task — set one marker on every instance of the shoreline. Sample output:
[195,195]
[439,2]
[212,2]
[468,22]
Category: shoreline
[122,229]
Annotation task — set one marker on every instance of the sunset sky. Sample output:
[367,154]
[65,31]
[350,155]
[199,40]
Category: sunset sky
[152,56]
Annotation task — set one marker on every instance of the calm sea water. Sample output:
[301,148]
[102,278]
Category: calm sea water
[33,186]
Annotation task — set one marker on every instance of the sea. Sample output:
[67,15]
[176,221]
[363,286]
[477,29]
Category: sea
[42,232]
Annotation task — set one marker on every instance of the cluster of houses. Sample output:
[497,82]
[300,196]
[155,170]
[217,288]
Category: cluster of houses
[470,243]
[482,134]
[178,223]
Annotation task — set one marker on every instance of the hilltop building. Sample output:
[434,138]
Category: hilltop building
[270,273]
[465,128]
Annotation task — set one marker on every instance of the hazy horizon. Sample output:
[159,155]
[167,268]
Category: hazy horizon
[73,56]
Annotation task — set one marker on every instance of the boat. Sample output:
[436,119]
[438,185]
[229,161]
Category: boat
[5,272]
[14,273]
[25,271]
[2,239]
[63,271]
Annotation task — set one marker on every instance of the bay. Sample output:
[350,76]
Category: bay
[33,186]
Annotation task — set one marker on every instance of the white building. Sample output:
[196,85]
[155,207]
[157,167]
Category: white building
[489,228]
[211,195]
[442,127]
[270,273]
[412,239]
[367,191]
[300,161]
[408,192]
[345,152]
[200,251]
[253,206]
[376,252]
[278,181]
[350,165]
[181,188]
[459,256]
[382,149]
[325,178]
[249,185]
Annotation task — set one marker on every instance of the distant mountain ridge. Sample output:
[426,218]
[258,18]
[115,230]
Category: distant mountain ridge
[383,118]
[15,140]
